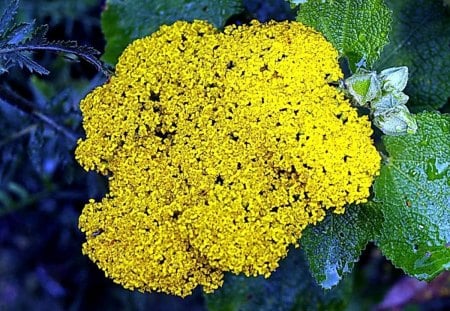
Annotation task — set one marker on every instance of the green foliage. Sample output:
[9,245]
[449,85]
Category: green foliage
[413,193]
[334,245]
[358,29]
[290,287]
[17,40]
[409,218]
[125,21]
[420,39]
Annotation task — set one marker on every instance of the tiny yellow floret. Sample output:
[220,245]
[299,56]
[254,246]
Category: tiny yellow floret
[220,147]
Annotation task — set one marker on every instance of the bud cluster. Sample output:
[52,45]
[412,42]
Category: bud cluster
[383,94]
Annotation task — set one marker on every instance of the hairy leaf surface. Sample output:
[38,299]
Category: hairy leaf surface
[413,193]
[358,29]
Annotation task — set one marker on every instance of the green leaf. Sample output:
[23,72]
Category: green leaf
[420,39]
[358,29]
[413,193]
[124,21]
[290,287]
[335,244]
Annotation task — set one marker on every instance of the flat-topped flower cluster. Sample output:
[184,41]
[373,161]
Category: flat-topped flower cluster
[221,148]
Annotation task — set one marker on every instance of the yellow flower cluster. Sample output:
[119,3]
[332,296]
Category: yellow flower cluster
[220,147]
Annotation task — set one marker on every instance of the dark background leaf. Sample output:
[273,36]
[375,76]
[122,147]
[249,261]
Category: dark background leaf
[124,21]
[291,287]
[420,39]
[335,244]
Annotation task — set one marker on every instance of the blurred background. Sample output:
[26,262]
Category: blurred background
[43,189]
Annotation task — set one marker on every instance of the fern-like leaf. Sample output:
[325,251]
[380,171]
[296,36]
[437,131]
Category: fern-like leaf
[18,41]
[8,16]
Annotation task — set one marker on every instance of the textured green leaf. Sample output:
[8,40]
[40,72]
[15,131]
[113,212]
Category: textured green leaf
[334,245]
[358,29]
[420,39]
[126,20]
[290,287]
[413,193]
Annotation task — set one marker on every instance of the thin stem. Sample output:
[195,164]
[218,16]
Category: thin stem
[18,134]
[26,106]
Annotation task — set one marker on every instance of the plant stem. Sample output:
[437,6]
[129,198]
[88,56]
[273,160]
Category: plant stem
[18,134]
[13,99]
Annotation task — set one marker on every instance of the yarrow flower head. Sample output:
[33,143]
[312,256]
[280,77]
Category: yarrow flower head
[220,147]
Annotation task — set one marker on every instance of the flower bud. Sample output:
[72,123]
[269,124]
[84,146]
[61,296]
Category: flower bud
[383,104]
[388,101]
[401,97]
[364,87]
[395,121]
[394,79]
